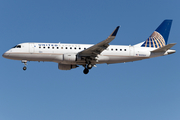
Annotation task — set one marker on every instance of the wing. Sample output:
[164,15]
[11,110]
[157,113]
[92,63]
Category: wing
[96,49]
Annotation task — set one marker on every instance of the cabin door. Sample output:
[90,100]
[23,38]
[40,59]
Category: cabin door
[31,47]
[131,50]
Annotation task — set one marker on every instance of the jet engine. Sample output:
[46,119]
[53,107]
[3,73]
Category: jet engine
[66,66]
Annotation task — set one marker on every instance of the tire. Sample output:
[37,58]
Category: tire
[86,71]
[24,68]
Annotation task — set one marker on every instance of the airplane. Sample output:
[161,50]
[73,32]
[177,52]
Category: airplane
[70,56]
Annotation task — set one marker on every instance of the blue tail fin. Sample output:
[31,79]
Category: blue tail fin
[160,36]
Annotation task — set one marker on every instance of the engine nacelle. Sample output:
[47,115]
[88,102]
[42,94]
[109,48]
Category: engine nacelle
[66,66]
[70,57]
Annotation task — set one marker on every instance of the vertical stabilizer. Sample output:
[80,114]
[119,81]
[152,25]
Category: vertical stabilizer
[160,36]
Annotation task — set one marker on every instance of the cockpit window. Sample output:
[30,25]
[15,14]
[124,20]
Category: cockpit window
[17,46]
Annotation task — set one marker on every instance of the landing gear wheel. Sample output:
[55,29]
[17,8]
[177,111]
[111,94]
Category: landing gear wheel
[86,71]
[25,63]
[24,68]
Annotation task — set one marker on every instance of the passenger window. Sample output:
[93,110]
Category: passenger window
[52,47]
[111,49]
[120,49]
[57,47]
[79,48]
[70,47]
[39,47]
[48,47]
[116,49]
[66,48]
[75,48]
[124,49]
[61,47]
[44,47]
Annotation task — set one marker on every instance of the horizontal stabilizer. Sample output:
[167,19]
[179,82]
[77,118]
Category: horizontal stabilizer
[164,48]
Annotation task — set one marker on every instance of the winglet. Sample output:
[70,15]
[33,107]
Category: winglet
[115,31]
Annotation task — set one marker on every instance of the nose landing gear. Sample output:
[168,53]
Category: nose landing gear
[25,63]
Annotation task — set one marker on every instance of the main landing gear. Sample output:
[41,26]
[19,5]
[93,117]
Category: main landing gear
[25,63]
[87,68]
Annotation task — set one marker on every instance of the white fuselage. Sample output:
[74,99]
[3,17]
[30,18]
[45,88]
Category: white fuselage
[61,53]
[69,56]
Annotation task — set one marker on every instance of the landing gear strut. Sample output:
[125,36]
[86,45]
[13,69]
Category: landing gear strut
[25,63]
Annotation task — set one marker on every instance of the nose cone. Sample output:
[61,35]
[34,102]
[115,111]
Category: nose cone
[5,55]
